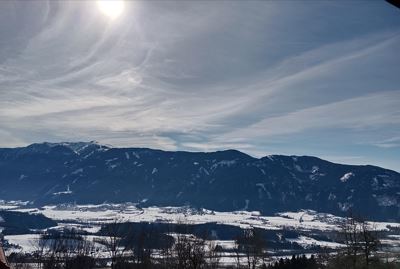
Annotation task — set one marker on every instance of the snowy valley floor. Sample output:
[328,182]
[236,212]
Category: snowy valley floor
[312,229]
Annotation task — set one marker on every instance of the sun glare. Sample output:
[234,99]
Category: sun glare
[111,8]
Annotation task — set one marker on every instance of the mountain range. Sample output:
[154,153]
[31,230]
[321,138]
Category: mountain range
[88,172]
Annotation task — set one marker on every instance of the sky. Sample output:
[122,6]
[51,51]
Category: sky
[317,78]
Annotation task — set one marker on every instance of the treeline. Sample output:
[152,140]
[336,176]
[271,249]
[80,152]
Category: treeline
[296,262]
[22,222]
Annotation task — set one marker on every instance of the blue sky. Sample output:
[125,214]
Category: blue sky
[275,77]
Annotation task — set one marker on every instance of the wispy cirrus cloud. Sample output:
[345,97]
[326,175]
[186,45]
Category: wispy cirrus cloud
[262,77]
[393,142]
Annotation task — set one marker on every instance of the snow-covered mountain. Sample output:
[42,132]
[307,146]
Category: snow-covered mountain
[224,180]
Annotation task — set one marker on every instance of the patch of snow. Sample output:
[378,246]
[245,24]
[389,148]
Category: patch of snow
[331,197]
[205,171]
[88,155]
[314,169]
[280,236]
[270,157]
[155,170]
[68,191]
[262,171]
[136,155]
[386,200]
[225,244]
[247,202]
[21,177]
[298,168]
[110,160]
[27,242]
[344,206]
[226,163]
[315,175]
[96,215]
[12,204]
[308,242]
[347,176]
[261,185]
[127,155]
[90,228]
[395,236]
[384,176]
[77,171]
[375,183]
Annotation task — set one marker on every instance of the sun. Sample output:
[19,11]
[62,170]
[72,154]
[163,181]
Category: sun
[111,8]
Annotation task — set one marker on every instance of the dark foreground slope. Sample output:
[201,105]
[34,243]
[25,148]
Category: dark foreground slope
[226,180]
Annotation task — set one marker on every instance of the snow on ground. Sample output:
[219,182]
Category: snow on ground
[311,216]
[7,205]
[89,228]
[383,226]
[230,258]
[308,242]
[27,242]
[390,242]
[89,218]
[128,212]
[225,244]
[395,236]
[346,176]
[106,213]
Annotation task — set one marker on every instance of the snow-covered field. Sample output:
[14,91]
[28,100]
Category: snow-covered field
[90,218]
[106,213]
[26,242]
[306,242]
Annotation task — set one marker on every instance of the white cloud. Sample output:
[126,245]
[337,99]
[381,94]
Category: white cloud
[371,111]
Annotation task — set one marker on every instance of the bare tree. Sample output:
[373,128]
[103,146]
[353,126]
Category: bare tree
[350,232]
[20,260]
[114,242]
[38,254]
[182,252]
[167,251]
[361,240]
[190,252]
[197,253]
[369,241]
[142,249]
[64,249]
[253,245]
[213,255]
[237,251]
[82,253]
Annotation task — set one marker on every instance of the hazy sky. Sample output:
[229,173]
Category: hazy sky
[275,77]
